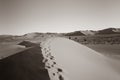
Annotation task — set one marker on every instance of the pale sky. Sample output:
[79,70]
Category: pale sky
[25,16]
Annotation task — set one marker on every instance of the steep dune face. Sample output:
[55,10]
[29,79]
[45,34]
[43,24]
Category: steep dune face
[25,65]
[74,61]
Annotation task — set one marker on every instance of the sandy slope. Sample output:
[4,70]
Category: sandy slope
[68,60]
[64,59]
[24,65]
[8,50]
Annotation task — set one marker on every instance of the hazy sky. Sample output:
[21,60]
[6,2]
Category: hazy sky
[24,16]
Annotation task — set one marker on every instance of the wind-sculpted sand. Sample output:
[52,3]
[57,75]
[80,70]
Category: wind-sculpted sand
[56,59]
[68,60]
[24,65]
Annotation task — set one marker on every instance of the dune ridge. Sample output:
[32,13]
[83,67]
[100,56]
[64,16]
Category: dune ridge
[75,61]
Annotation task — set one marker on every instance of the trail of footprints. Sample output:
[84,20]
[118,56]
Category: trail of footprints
[55,72]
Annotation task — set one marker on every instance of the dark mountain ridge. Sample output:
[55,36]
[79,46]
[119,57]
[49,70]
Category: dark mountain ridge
[38,36]
[108,31]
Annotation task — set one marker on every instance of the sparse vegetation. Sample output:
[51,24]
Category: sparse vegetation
[97,39]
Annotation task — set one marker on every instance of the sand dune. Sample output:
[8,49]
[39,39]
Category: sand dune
[8,50]
[74,61]
[61,58]
[24,65]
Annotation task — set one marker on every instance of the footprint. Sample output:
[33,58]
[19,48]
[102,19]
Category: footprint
[60,70]
[52,65]
[53,74]
[51,57]
[60,77]
[45,60]
[48,67]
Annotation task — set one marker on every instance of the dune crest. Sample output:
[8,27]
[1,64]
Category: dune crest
[68,60]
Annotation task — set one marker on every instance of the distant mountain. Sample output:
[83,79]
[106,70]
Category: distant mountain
[89,32]
[108,31]
[92,32]
[7,38]
[76,33]
[32,35]
[38,36]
